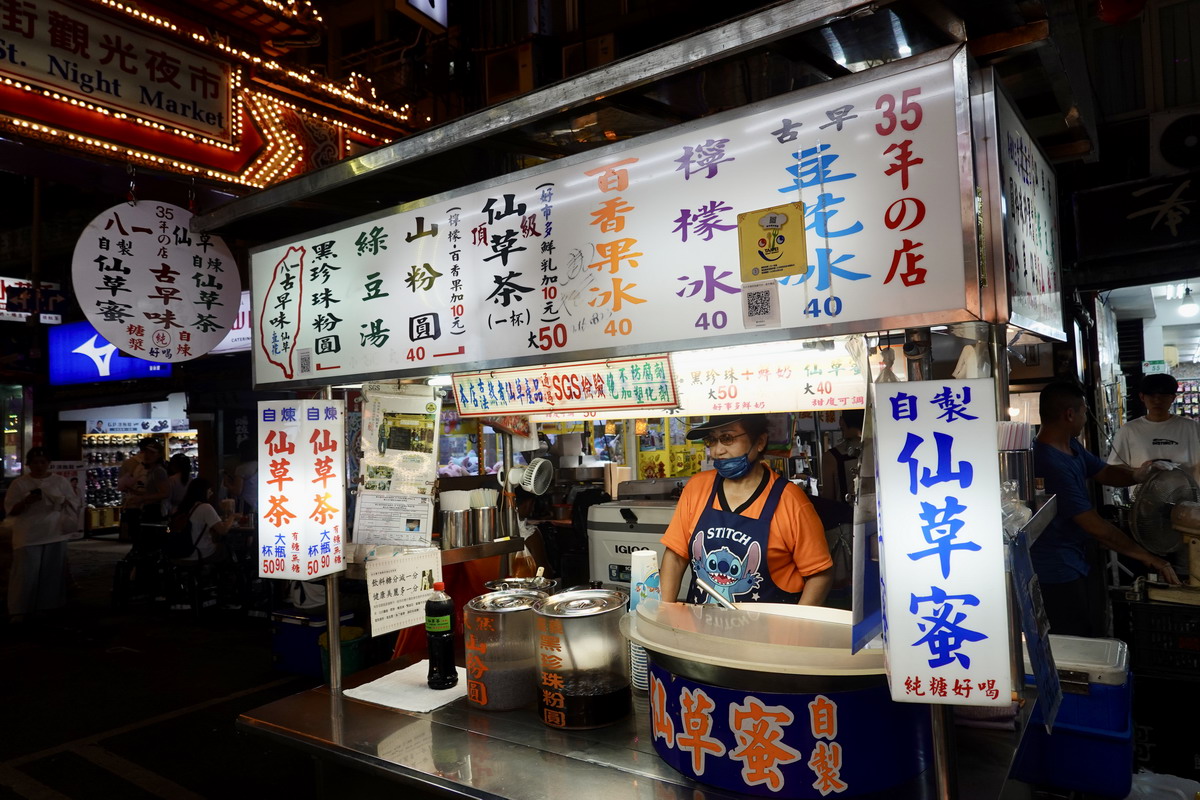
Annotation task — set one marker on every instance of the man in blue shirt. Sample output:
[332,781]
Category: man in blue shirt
[1060,555]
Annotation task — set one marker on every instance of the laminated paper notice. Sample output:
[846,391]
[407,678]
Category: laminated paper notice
[398,587]
[397,519]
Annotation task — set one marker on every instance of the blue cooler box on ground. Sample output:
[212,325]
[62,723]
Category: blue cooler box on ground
[294,639]
[1091,747]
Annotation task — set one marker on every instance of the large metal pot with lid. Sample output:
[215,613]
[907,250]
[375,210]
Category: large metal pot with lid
[583,669]
[501,649]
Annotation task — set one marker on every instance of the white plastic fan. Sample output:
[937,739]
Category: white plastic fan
[536,477]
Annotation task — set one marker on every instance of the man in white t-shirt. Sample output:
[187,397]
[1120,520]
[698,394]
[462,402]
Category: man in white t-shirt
[1160,435]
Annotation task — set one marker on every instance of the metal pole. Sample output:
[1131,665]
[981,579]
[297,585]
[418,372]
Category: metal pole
[945,768]
[508,506]
[333,611]
[918,351]
[998,340]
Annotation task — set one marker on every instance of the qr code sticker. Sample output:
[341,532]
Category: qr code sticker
[306,365]
[758,304]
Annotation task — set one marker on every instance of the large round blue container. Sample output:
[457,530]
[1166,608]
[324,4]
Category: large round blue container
[721,716]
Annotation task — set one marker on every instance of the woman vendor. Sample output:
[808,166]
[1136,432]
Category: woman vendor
[749,532]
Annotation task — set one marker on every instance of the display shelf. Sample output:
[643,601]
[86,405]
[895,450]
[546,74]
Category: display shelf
[105,452]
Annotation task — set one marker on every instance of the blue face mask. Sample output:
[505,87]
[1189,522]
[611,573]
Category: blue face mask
[732,468]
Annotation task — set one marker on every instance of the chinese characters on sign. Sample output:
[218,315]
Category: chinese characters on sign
[398,586]
[301,488]
[638,245]
[153,288]
[97,60]
[1031,255]
[642,382]
[940,542]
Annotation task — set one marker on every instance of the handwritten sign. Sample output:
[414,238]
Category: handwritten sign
[635,245]
[940,542]
[1032,257]
[398,586]
[301,488]
[643,382]
[152,287]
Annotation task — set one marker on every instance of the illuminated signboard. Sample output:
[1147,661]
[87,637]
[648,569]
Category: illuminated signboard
[79,354]
[941,546]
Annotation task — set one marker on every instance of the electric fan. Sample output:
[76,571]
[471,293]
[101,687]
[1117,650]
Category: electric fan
[535,477]
[1166,516]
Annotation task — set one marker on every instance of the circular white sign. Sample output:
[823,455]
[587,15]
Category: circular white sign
[152,287]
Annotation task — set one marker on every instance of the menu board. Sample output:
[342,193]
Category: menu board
[633,248]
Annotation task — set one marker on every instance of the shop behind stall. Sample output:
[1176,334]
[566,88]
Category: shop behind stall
[585,273]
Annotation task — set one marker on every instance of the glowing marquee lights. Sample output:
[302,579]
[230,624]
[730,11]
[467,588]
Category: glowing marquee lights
[280,158]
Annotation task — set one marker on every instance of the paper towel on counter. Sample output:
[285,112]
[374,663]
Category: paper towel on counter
[408,689]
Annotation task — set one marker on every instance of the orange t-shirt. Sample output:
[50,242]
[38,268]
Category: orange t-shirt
[795,547]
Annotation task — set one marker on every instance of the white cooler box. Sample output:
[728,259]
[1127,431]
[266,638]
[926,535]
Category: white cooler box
[621,527]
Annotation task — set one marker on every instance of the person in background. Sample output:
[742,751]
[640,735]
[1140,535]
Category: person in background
[1159,435]
[1061,554]
[179,473]
[840,461]
[208,528]
[40,505]
[751,533]
[242,485]
[143,483]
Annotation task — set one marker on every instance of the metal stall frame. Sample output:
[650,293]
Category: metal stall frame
[985,295]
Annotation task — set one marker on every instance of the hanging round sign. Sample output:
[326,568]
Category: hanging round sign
[153,288]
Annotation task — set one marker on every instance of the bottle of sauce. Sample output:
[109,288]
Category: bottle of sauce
[439,635]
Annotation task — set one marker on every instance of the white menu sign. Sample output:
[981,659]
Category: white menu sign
[635,245]
[152,287]
[941,547]
[398,586]
[1031,254]
[301,488]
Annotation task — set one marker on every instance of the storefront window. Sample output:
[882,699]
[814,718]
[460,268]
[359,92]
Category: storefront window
[13,398]
[459,452]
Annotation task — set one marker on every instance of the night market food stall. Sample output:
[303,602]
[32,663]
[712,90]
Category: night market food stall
[862,197]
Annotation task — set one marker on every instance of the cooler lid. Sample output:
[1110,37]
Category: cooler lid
[506,600]
[1106,661]
[582,603]
[761,637]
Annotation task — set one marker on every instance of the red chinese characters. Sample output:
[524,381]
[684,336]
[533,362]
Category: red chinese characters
[900,116]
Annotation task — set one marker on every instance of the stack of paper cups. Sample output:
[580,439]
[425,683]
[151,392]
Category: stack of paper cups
[643,582]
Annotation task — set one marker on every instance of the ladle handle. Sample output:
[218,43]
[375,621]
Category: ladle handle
[720,598]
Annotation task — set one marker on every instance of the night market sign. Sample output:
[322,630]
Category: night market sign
[636,246]
[95,60]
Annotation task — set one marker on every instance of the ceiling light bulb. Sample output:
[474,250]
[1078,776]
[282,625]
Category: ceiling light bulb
[1188,307]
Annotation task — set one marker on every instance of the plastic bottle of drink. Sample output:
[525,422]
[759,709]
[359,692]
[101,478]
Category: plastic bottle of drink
[439,634]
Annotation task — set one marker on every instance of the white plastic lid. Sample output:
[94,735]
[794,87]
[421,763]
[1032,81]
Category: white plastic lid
[762,637]
[1106,661]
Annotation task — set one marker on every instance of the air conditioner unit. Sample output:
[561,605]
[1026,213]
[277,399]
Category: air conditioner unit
[1175,141]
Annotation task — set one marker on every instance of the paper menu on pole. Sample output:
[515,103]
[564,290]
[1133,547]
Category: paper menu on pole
[398,586]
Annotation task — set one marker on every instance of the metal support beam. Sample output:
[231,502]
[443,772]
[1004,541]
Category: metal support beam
[733,38]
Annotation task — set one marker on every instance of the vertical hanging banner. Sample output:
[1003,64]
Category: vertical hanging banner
[301,488]
[153,288]
[940,542]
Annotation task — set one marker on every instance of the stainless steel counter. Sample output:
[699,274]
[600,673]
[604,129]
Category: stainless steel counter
[457,751]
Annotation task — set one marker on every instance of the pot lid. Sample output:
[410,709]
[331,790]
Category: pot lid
[535,583]
[582,603]
[759,637]
[506,600]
